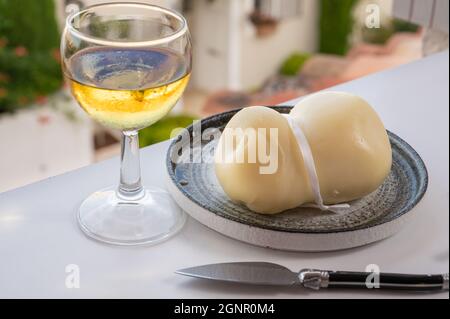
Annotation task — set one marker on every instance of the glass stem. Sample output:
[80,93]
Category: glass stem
[130,171]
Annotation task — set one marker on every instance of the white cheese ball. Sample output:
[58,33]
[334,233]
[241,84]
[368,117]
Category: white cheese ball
[350,147]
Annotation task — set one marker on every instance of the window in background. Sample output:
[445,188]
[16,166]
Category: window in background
[280,9]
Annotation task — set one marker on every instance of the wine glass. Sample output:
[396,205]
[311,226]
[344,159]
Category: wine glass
[128,64]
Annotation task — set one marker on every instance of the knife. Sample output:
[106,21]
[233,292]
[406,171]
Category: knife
[268,274]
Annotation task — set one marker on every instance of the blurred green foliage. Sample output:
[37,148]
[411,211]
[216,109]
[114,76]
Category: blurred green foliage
[29,52]
[376,35]
[294,64]
[383,34]
[336,25]
[161,131]
[400,25]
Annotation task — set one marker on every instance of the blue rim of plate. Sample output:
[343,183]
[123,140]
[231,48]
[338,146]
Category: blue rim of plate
[220,120]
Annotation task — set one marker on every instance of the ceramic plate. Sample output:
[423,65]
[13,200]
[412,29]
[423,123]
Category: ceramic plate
[378,216]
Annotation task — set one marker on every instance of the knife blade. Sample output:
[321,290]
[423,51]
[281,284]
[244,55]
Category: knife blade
[268,274]
[264,274]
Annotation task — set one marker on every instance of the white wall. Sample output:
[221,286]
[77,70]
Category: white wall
[47,143]
[261,57]
[209,23]
[229,55]
[174,4]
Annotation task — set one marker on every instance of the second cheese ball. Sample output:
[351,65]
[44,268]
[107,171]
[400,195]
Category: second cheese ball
[350,146]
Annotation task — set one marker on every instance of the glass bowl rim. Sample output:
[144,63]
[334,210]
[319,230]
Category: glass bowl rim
[181,31]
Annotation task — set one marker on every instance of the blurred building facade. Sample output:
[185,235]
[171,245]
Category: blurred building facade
[239,47]
[229,50]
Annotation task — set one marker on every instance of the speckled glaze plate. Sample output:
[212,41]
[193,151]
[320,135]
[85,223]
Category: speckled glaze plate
[378,216]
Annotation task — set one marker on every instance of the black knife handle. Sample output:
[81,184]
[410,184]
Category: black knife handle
[322,279]
[385,281]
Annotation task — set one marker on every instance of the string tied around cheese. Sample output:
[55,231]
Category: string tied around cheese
[310,165]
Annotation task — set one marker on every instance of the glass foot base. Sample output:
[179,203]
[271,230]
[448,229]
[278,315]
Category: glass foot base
[149,220]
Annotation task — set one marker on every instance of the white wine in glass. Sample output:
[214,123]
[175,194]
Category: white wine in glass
[128,89]
[128,64]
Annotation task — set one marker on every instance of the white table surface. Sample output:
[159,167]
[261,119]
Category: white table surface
[39,236]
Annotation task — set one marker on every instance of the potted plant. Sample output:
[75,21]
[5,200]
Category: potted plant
[40,125]
[265,25]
